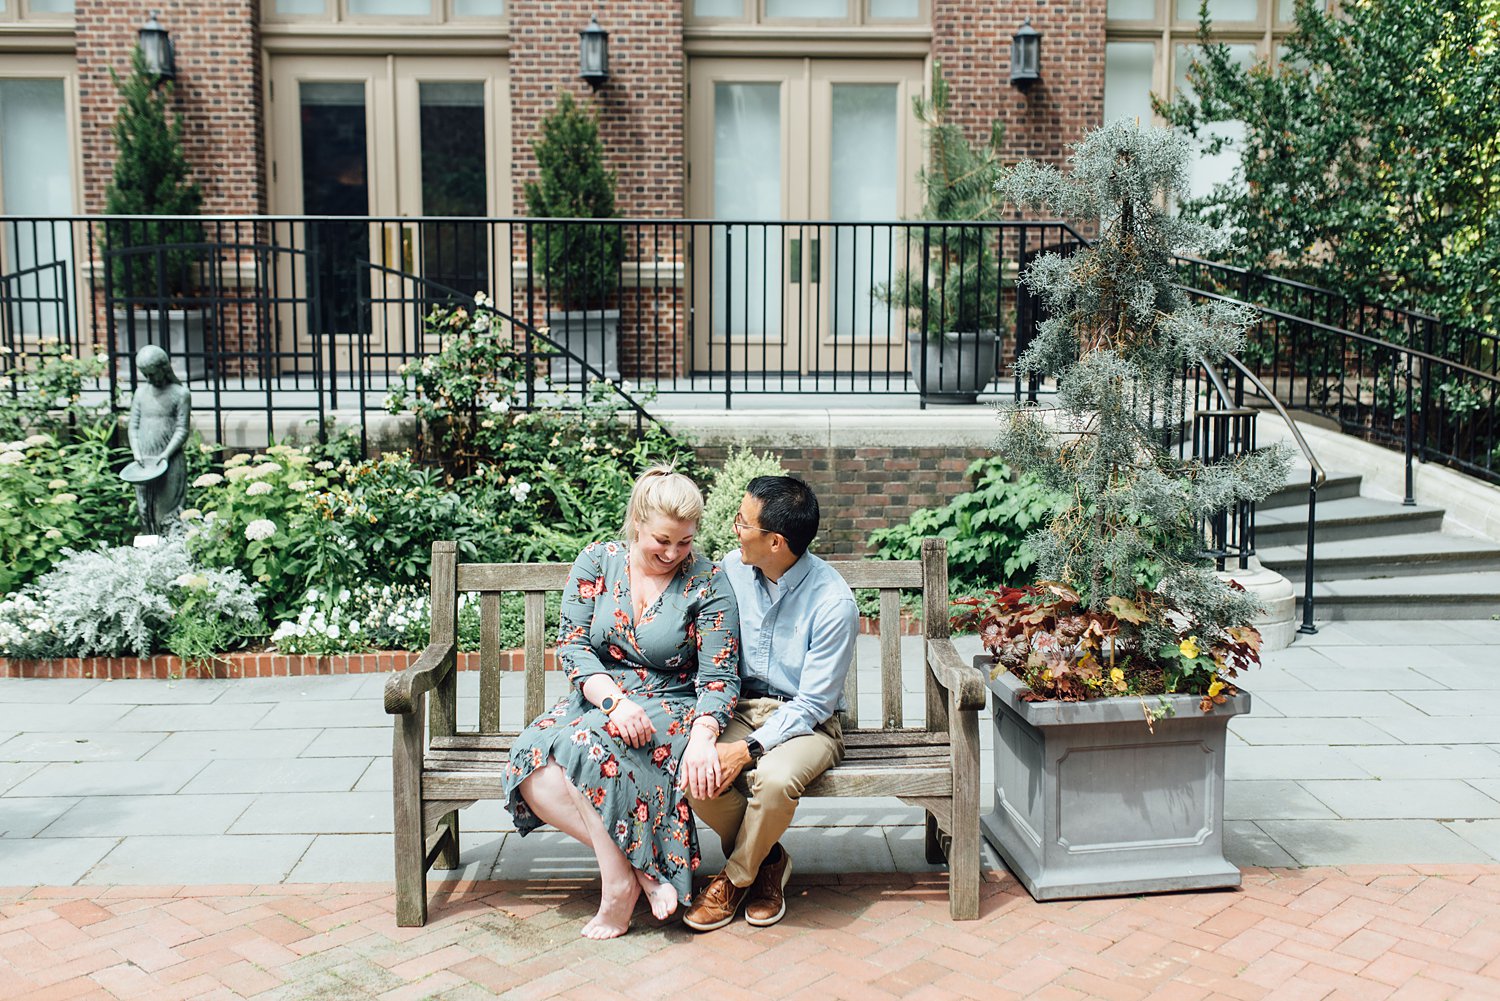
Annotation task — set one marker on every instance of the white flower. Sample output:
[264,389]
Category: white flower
[211,516]
[12,458]
[193,580]
[499,406]
[480,299]
[38,439]
[325,465]
[236,473]
[57,484]
[264,469]
[65,498]
[519,490]
[53,533]
[259,529]
[208,480]
[299,485]
[238,459]
[190,514]
[312,594]
[257,489]
[333,631]
[343,595]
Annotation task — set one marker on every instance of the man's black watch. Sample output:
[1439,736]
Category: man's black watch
[753,746]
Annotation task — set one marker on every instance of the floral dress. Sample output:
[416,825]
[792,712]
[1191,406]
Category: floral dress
[679,662]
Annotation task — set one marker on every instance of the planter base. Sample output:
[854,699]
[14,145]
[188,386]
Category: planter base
[1090,802]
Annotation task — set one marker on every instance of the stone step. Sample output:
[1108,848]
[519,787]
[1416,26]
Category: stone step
[1416,554]
[1344,518]
[1434,596]
[1336,486]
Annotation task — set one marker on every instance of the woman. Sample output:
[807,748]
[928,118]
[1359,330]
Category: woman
[649,639]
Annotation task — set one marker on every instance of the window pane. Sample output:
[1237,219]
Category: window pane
[390,8]
[335,181]
[1133,10]
[454,183]
[478,8]
[36,172]
[747,185]
[862,185]
[719,8]
[1220,10]
[1286,9]
[300,6]
[895,10]
[808,9]
[1205,171]
[50,6]
[1129,70]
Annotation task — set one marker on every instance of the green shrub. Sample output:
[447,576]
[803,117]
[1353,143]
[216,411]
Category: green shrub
[985,528]
[716,532]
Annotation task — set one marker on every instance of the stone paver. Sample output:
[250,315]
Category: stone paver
[1406,932]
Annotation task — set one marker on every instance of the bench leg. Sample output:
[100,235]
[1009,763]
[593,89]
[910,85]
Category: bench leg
[963,853]
[934,842]
[447,855]
[411,855]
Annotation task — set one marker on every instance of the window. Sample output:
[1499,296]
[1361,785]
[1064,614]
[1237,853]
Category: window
[1150,44]
[798,13]
[37,10]
[384,11]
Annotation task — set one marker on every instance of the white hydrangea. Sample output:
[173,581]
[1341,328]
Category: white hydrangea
[65,499]
[519,490]
[52,533]
[37,439]
[190,514]
[264,469]
[57,484]
[239,459]
[236,473]
[259,489]
[12,458]
[208,480]
[259,529]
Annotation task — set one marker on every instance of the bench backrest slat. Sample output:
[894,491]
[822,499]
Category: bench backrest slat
[512,576]
[489,662]
[536,681]
[879,573]
[890,657]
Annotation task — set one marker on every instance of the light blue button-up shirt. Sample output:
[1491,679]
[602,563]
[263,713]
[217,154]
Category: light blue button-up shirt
[799,643]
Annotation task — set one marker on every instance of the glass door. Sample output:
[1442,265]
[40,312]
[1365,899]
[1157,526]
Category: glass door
[776,142]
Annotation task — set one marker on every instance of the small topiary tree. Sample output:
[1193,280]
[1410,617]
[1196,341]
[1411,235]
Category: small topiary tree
[580,262]
[151,177]
[716,529]
[1120,334]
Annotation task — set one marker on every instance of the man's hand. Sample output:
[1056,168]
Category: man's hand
[734,755]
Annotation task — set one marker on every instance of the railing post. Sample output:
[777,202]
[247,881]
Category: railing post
[1308,628]
[1408,500]
[530,353]
[1427,338]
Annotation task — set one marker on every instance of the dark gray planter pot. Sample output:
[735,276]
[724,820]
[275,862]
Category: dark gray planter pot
[592,335]
[958,366]
[182,333]
[1089,802]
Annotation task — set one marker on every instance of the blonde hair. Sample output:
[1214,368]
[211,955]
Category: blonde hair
[662,490]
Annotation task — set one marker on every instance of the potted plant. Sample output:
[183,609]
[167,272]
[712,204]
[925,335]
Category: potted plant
[149,265]
[952,298]
[1113,674]
[580,262]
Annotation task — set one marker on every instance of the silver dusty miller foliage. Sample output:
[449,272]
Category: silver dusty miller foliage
[1119,334]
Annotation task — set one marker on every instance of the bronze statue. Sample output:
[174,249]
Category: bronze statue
[159,417]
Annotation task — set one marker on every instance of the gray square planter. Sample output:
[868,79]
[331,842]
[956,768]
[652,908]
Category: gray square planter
[590,335]
[1089,802]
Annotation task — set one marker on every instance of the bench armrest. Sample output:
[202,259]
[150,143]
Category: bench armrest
[404,688]
[953,674]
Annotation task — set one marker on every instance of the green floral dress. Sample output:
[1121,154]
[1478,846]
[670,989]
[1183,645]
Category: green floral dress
[680,661]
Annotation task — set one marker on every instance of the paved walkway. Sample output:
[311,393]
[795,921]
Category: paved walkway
[126,806]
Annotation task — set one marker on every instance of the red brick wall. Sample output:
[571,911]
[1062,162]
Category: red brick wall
[973,42]
[218,93]
[862,489]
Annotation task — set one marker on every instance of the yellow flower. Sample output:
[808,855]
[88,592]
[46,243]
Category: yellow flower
[1215,688]
[1117,675]
[1189,647]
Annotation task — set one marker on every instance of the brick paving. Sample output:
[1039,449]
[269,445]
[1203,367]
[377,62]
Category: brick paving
[1356,932]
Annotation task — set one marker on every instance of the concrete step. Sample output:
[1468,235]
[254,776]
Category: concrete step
[1416,554]
[1434,596]
[1337,486]
[1345,518]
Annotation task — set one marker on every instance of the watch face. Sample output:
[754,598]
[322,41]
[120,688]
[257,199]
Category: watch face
[608,705]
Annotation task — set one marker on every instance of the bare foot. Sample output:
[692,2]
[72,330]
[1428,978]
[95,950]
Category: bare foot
[661,896]
[615,907]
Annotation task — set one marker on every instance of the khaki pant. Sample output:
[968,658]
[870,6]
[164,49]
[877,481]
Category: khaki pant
[753,814]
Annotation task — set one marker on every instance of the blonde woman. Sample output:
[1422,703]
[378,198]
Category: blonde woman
[649,640]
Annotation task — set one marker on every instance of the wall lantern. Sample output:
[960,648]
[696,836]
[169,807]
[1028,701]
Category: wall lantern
[156,48]
[593,53]
[1025,56]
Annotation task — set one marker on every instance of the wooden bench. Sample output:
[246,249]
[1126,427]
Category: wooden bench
[438,770]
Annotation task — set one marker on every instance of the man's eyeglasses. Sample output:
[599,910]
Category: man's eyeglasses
[740,526]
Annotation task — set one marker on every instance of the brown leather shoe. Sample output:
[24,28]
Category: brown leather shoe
[767,894]
[717,905]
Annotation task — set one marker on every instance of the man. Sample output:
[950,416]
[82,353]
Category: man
[798,624]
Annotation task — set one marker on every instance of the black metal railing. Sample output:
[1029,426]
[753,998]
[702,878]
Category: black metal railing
[293,318]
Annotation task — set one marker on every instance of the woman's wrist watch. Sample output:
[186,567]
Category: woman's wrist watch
[610,703]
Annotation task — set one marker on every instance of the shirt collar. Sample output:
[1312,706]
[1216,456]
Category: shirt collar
[794,575]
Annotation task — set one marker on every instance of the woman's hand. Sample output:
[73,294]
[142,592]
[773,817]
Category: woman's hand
[700,772]
[633,723]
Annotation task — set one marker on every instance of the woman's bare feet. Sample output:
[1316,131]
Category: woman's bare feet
[661,896]
[616,903]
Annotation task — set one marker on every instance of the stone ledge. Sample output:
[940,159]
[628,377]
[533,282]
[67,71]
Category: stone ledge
[257,664]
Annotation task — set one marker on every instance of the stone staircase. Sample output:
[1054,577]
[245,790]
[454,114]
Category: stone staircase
[1376,558]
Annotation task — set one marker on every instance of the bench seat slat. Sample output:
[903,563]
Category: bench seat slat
[883,780]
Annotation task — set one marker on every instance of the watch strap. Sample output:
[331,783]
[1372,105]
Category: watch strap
[754,747]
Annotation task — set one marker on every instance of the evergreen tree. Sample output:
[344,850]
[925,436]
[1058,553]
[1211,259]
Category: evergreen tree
[1118,337]
[151,177]
[581,262]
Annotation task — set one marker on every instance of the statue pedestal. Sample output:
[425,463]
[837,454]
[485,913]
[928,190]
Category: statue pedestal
[147,541]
